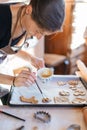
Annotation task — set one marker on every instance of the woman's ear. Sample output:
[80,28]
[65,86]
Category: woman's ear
[28,10]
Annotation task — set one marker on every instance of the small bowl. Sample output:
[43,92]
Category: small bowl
[45,74]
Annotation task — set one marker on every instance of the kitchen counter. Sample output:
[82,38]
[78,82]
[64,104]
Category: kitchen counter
[61,118]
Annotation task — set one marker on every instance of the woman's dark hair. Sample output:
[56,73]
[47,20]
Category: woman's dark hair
[48,14]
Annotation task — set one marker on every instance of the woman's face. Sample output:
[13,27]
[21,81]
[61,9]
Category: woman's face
[33,29]
[31,26]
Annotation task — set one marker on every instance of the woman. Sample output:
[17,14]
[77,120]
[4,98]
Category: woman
[18,23]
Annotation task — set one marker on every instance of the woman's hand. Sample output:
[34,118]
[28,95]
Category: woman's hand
[82,70]
[25,78]
[37,62]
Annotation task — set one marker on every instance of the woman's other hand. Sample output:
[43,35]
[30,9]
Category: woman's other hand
[25,78]
[37,62]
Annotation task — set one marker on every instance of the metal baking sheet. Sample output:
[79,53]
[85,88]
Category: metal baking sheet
[51,89]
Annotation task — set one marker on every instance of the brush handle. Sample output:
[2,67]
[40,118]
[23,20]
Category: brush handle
[38,87]
[11,115]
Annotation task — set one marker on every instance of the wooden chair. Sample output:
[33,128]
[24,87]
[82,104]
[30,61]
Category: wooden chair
[60,63]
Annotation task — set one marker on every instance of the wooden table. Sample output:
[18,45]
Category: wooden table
[61,118]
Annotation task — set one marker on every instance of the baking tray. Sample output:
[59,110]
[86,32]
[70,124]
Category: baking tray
[52,90]
[3,91]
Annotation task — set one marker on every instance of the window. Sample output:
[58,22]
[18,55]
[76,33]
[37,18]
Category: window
[79,23]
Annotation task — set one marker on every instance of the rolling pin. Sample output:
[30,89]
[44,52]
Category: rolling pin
[85,114]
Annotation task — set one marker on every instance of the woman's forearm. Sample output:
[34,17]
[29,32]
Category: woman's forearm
[6,79]
[24,55]
[35,61]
